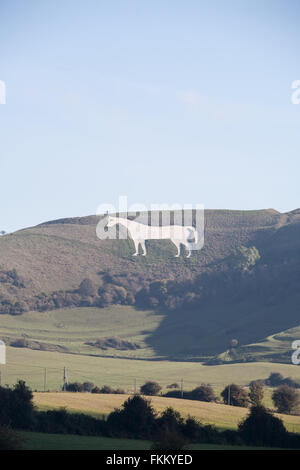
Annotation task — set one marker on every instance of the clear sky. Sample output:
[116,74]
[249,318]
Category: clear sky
[162,100]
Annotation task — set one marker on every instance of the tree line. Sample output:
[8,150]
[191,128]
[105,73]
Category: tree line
[241,274]
[137,419]
[285,397]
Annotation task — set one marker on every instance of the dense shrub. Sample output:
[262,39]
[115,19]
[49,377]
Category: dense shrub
[88,386]
[256,393]
[9,439]
[169,439]
[202,393]
[74,387]
[16,407]
[135,419]
[261,428]
[235,395]
[170,419]
[286,399]
[87,288]
[274,379]
[62,422]
[173,385]
[244,258]
[150,388]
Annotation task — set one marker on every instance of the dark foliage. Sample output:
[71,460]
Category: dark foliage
[256,393]
[202,393]
[261,428]
[10,439]
[62,422]
[136,419]
[235,395]
[150,388]
[275,379]
[286,399]
[16,409]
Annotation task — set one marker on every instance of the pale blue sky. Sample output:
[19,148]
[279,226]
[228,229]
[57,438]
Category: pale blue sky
[162,101]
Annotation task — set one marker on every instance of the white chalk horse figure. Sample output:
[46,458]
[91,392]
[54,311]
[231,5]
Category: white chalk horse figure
[178,234]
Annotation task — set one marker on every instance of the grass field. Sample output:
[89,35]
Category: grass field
[222,416]
[29,365]
[39,441]
[157,335]
[73,328]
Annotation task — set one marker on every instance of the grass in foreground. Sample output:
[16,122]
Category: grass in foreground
[39,441]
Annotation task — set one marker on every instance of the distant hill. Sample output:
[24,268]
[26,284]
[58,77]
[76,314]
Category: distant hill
[57,256]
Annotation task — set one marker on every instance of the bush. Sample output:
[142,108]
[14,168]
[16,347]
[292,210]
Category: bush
[274,379]
[74,387]
[235,395]
[136,419]
[174,385]
[286,399]
[169,439]
[256,393]
[18,409]
[244,258]
[9,439]
[170,419]
[106,389]
[261,428]
[62,422]
[87,288]
[203,393]
[150,388]
[88,386]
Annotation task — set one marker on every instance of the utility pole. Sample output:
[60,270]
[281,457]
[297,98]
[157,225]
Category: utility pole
[65,380]
[0,378]
[45,379]
[181,388]
[135,386]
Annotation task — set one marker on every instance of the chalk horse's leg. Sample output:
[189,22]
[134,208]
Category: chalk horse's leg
[177,244]
[143,245]
[187,245]
[136,244]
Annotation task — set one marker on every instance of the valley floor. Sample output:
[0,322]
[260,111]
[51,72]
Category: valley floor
[30,365]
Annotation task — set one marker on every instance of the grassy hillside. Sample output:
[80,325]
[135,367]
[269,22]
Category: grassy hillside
[222,416]
[58,255]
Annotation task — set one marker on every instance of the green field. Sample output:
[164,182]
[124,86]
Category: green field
[73,328]
[157,336]
[29,365]
[39,441]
